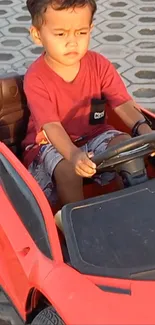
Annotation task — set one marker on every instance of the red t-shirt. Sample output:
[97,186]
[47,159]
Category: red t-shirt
[51,99]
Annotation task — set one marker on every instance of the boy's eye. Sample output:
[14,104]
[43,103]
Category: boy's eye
[60,34]
[81,33]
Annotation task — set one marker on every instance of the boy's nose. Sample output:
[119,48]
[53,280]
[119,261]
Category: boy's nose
[72,41]
[72,44]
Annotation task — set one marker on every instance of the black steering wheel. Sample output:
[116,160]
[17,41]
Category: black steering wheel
[133,148]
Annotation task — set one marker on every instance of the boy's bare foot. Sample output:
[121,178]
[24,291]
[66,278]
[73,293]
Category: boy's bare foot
[58,220]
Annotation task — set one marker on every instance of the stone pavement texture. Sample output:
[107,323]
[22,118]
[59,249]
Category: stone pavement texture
[8,315]
[124,32]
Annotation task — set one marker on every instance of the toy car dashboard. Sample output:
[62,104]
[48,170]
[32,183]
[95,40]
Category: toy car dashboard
[113,235]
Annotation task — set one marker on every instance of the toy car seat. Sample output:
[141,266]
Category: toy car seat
[14,113]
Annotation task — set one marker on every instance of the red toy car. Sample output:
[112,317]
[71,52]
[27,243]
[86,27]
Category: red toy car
[102,270]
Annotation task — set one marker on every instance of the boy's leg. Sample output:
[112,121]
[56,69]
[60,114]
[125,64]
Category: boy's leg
[56,176]
[69,185]
[99,144]
[107,139]
[118,139]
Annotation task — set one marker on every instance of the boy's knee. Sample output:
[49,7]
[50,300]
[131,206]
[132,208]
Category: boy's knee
[69,185]
[119,138]
[64,172]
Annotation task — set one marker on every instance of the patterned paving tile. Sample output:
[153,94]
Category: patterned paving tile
[6,12]
[124,5]
[143,9]
[143,45]
[144,20]
[124,32]
[113,38]
[139,75]
[139,59]
[8,316]
[118,14]
[115,26]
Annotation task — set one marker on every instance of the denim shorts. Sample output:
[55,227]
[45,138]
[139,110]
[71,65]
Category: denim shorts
[43,166]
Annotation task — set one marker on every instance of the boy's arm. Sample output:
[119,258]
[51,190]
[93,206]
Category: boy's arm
[45,116]
[118,98]
[130,115]
[59,138]
[57,135]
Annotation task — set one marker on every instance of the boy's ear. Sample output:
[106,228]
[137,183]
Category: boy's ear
[35,34]
[91,27]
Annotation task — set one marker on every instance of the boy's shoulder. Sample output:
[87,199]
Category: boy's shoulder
[98,62]
[36,69]
[96,57]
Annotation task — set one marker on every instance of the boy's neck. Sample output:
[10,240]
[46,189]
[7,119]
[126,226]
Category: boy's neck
[67,73]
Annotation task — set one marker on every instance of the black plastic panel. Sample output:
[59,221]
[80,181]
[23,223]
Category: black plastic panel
[113,235]
[117,290]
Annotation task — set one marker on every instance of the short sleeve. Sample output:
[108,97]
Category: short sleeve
[41,104]
[112,85]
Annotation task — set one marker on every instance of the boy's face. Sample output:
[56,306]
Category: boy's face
[65,34]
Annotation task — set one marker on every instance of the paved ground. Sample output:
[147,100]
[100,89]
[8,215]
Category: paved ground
[124,32]
[7,314]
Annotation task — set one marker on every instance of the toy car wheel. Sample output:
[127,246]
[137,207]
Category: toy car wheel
[47,316]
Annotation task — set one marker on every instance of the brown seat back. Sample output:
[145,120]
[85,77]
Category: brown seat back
[14,113]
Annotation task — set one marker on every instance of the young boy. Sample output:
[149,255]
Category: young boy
[69,89]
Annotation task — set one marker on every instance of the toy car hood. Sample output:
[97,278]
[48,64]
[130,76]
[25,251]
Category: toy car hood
[113,235]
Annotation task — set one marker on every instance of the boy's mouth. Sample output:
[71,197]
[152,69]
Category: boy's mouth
[71,53]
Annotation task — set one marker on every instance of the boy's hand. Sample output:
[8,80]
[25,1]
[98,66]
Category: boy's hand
[83,165]
[56,135]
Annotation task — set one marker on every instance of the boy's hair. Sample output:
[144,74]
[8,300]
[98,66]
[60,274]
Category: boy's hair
[37,8]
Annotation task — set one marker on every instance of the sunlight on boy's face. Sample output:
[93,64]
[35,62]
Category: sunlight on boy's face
[65,34]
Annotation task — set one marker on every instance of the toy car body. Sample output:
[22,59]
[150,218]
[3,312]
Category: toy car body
[104,273]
